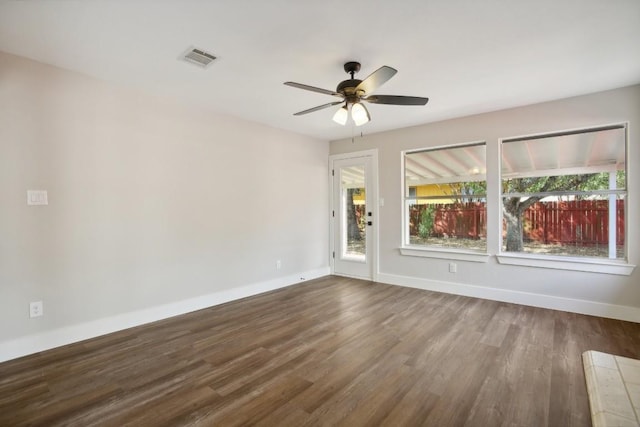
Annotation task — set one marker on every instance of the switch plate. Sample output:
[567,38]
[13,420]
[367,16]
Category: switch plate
[37,197]
[278,265]
[453,267]
[36,309]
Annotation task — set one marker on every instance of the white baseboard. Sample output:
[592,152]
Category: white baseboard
[612,311]
[30,344]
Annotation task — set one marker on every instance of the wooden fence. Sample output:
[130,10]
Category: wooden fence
[582,222]
[465,220]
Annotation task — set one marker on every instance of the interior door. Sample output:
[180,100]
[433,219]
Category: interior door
[353,217]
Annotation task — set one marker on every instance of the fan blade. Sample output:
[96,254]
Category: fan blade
[313,89]
[396,100]
[376,79]
[319,107]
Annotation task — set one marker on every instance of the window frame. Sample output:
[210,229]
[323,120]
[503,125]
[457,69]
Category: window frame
[565,262]
[495,220]
[434,251]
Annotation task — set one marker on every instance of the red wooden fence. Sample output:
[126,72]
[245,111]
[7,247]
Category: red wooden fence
[582,222]
[466,220]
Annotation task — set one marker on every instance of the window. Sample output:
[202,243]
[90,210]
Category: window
[445,198]
[564,194]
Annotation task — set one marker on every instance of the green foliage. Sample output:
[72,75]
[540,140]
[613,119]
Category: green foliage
[582,182]
[425,226]
[469,191]
[514,207]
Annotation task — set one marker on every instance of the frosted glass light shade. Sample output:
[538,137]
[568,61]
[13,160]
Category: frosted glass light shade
[359,114]
[341,115]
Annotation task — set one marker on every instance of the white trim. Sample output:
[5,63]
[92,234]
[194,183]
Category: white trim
[445,147]
[574,264]
[612,311]
[546,261]
[569,131]
[353,155]
[444,254]
[404,182]
[613,210]
[565,263]
[29,344]
[372,154]
[354,276]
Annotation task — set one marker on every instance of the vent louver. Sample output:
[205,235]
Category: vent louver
[199,57]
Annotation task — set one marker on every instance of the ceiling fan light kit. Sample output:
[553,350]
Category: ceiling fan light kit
[354,92]
[359,114]
[341,115]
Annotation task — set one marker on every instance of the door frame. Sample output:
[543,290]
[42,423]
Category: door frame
[372,154]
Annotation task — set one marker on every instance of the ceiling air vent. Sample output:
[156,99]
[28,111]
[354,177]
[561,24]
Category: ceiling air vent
[198,57]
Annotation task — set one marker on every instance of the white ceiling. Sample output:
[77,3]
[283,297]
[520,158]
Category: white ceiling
[467,56]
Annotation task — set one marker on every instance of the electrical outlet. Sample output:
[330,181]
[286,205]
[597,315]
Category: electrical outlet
[278,265]
[453,267]
[36,309]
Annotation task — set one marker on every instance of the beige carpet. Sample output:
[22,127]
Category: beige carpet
[613,385]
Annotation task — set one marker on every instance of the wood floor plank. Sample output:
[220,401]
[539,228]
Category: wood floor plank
[414,407]
[374,404]
[332,351]
[568,404]
[461,379]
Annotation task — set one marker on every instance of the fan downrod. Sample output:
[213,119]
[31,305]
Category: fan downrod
[352,67]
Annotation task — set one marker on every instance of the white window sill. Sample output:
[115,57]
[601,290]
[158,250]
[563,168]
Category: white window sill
[565,263]
[590,265]
[444,253]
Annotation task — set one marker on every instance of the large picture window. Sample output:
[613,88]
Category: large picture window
[564,194]
[445,198]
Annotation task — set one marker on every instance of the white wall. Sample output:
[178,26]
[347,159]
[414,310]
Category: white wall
[595,293]
[154,208]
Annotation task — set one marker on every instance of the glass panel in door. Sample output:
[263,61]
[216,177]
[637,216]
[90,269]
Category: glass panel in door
[353,212]
[353,217]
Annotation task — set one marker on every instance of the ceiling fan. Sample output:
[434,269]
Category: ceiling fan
[354,92]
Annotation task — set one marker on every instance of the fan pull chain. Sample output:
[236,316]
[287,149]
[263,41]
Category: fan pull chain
[353,139]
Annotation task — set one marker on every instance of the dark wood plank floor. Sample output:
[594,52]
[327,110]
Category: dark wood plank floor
[332,351]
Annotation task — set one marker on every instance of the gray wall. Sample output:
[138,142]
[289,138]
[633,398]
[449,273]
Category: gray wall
[150,202]
[597,293]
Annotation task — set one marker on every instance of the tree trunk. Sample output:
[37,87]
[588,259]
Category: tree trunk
[353,231]
[515,230]
[513,210]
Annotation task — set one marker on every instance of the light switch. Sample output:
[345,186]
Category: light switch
[37,197]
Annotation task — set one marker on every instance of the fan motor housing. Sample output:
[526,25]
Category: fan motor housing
[348,87]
